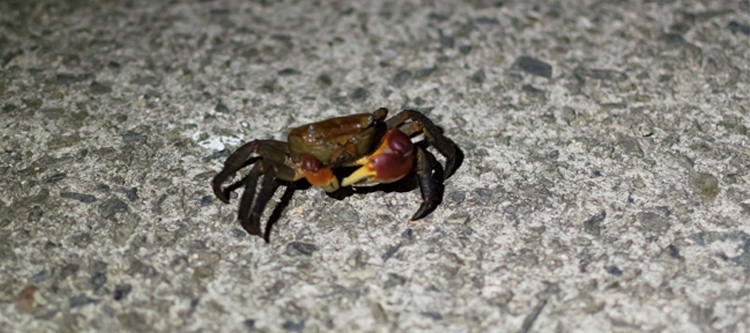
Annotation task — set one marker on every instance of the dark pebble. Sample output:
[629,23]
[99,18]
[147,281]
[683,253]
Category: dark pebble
[97,88]
[295,249]
[736,27]
[653,221]
[221,108]
[593,226]
[464,49]
[478,76]
[42,276]
[424,72]
[483,192]
[239,233]
[55,178]
[138,267]
[132,194]
[289,71]
[67,270]
[111,207]
[486,20]
[600,74]
[433,315]
[200,244]
[674,252]
[98,280]
[400,78]
[324,80]
[390,252]
[206,201]
[613,270]
[455,198]
[394,280]
[446,41]
[220,154]
[65,78]
[97,266]
[294,327]
[534,66]
[122,291]
[118,180]
[77,301]
[672,39]
[408,234]
[359,95]
[132,137]
[82,240]
[85,198]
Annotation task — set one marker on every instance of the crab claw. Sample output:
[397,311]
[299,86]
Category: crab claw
[316,174]
[391,162]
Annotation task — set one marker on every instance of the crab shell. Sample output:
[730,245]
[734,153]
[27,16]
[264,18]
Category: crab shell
[339,141]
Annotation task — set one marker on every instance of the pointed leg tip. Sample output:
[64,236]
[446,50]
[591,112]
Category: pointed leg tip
[418,216]
[250,230]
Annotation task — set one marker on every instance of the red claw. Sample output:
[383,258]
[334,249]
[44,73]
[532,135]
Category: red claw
[399,142]
[391,162]
[393,165]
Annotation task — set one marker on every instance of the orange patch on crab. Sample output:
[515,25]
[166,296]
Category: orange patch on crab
[323,176]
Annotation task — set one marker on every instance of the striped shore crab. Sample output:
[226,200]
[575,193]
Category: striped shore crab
[364,149]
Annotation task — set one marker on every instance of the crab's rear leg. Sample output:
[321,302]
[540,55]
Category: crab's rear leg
[246,202]
[276,214]
[433,135]
[273,150]
[269,185]
[252,206]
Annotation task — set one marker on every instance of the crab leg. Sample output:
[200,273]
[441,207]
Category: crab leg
[251,181]
[269,149]
[432,134]
[267,189]
[430,185]
[285,198]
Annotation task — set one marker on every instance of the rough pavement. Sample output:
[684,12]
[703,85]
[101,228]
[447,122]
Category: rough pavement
[605,185]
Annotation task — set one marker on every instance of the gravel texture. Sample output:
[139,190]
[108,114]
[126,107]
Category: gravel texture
[605,183]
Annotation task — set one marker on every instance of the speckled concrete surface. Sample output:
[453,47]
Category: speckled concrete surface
[605,185]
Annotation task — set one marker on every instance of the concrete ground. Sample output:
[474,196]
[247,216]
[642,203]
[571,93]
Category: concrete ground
[605,183]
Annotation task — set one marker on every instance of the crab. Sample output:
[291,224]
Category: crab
[365,149]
